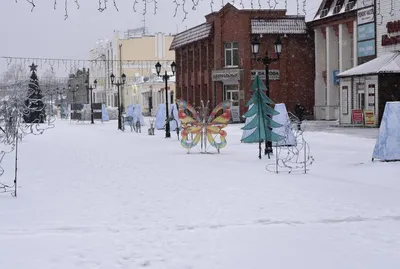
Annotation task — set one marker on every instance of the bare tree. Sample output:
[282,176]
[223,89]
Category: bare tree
[15,72]
[15,107]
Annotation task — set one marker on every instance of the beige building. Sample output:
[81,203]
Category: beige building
[149,94]
[133,53]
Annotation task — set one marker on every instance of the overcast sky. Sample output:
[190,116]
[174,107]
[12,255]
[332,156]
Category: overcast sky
[45,33]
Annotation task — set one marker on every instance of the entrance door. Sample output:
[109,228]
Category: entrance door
[361,99]
[232,94]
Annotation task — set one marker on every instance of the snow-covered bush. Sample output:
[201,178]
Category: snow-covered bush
[112,113]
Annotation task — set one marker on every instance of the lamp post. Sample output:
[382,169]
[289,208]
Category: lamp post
[118,84]
[90,91]
[266,60]
[166,77]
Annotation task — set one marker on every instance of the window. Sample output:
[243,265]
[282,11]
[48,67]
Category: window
[231,54]
[351,50]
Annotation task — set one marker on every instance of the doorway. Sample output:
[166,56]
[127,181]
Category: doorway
[232,94]
[361,99]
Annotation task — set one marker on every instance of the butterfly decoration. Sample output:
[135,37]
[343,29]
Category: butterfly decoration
[198,127]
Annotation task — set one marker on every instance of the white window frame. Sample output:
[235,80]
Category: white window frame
[231,50]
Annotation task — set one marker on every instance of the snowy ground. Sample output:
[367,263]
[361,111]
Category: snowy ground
[94,197]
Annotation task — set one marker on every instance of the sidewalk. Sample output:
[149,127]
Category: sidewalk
[332,127]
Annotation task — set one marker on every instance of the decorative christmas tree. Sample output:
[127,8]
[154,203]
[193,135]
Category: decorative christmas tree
[261,124]
[34,111]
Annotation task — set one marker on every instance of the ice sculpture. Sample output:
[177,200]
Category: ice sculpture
[387,147]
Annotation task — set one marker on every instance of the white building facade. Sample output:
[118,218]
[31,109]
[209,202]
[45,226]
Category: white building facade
[388,26]
[335,32]
[365,89]
[151,93]
[133,53]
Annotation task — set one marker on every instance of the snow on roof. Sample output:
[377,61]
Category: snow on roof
[288,25]
[387,63]
[194,34]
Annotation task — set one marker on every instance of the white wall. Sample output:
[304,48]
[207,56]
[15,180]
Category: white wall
[383,16]
[352,96]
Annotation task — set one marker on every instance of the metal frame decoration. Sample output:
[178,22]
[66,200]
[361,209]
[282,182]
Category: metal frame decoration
[15,108]
[197,126]
[146,5]
[172,118]
[71,65]
[294,158]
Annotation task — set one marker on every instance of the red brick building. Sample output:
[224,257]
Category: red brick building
[214,60]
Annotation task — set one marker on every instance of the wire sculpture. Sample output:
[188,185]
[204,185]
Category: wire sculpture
[172,118]
[293,156]
[74,64]
[22,113]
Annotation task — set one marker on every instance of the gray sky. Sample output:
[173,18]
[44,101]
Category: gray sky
[45,33]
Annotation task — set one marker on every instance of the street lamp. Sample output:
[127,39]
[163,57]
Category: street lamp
[118,84]
[90,91]
[166,77]
[255,48]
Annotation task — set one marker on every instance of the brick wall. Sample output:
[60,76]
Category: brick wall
[296,66]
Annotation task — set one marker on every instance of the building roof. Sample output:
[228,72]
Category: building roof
[288,25]
[329,8]
[387,63]
[199,32]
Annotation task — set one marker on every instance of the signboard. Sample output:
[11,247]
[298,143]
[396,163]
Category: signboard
[365,15]
[241,95]
[357,116]
[389,41]
[274,74]
[97,111]
[76,107]
[369,118]
[336,79]
[98,115]
[366,31]
[345,100]
[232,75]
[235,113]
[366,48]
[364,3]
[97,106]
[76,116]
[392,28]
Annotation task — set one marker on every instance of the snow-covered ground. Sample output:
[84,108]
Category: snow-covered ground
[94,197]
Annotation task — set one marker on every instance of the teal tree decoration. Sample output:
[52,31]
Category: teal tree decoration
[261,125]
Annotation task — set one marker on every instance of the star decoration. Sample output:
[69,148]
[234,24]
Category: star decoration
[33,67]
